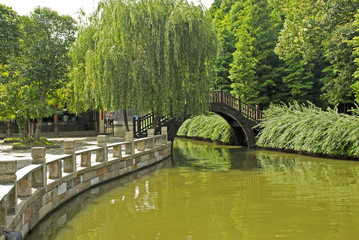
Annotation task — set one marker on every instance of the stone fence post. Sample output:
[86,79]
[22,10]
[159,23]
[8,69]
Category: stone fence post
[7,179]
[151,135]
[117,151]
[69,146]
[141,146]
[69,162]
[101,154]
[164,132]
[129,145]
[36,178]
[39,177]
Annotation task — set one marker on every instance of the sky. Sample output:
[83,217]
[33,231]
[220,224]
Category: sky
[68,7]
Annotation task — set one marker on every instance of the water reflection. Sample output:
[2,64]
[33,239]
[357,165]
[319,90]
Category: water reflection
[206,156]
[61,225]
[200,155]
[221,193]
[327,180]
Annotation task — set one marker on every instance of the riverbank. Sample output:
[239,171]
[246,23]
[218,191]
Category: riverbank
[310,154]
[29,194]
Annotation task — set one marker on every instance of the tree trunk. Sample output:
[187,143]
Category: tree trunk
[22,131]
[39,119]
[155,121]
[38,129]
[56,121]
[32,128]
[126,120]
[29,129]
[8,127]
[22,124]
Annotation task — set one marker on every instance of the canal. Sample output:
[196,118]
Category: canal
[217,192]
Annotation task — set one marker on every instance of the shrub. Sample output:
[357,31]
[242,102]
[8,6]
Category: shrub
[309,129]
[211,127]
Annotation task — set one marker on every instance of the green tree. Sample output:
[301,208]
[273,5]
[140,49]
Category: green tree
[227,42]
[320,32]
[10,34]
[220,14]
[355,44]
[256,70]
[302,80]
[47,39]
[152,55]
[44,61]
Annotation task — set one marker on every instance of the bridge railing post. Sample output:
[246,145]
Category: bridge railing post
[221,93]
[138,127]
[239,105]
[134,126]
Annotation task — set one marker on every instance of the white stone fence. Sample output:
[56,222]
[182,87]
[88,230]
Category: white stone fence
[29,194]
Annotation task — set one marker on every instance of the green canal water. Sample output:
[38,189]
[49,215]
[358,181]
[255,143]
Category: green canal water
[216,192]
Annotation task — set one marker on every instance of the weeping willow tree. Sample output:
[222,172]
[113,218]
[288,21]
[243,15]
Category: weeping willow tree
[151,55]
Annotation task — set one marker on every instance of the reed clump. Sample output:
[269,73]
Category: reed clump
[310,129]
[210,127]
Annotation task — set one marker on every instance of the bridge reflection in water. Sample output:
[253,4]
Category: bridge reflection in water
[213,192]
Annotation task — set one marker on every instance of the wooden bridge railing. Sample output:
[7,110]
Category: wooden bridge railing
[141,124]
[248,111]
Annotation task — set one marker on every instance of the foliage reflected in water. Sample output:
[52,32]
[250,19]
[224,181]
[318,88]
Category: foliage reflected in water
[305,169]
[222,193]
[338,178]
[202,156]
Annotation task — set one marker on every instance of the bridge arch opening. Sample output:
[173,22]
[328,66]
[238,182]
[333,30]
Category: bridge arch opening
[242,137]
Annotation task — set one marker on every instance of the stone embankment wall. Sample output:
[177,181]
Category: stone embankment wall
[29,194]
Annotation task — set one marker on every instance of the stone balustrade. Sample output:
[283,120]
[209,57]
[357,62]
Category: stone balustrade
[29,194]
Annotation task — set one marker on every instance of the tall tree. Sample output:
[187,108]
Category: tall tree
[255,70]
[227,40]
[47,39]
[320,32]
[152,55]
[10,34]
[302,79]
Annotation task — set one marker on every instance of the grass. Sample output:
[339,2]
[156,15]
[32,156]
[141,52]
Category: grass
[11,140]
[31,142]
[310,129]
[209,127]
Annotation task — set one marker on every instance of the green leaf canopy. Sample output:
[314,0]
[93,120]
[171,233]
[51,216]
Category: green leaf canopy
[152,55]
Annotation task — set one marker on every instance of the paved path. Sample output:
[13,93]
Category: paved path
[24,156]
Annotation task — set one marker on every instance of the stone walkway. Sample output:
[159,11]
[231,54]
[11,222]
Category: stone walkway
[23,157]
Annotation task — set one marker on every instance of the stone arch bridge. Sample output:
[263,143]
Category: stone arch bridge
[241,116]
